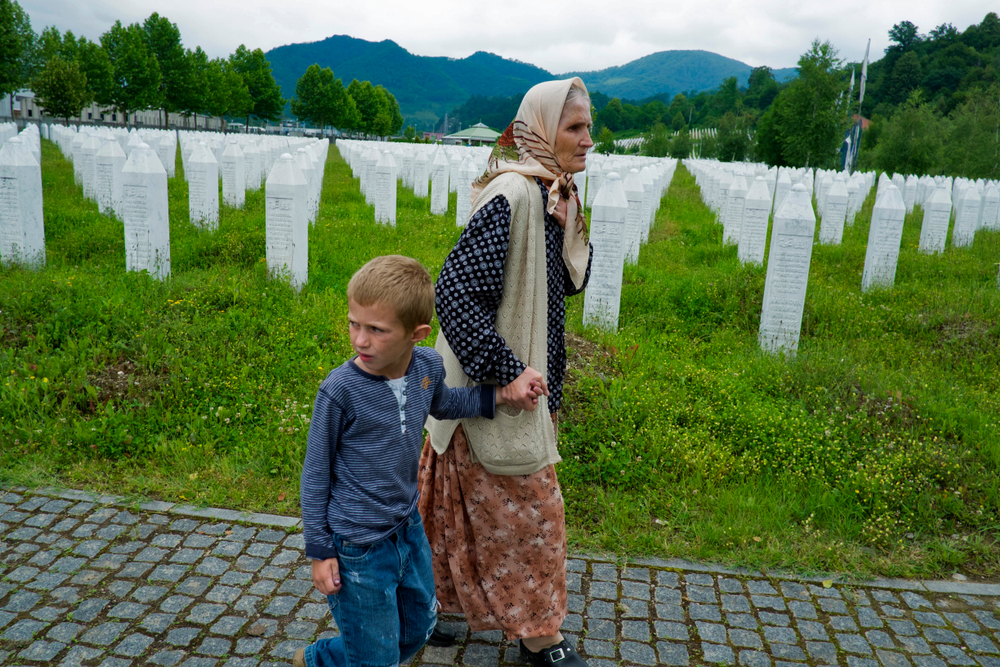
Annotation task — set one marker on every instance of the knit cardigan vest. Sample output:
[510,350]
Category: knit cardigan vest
[514,442]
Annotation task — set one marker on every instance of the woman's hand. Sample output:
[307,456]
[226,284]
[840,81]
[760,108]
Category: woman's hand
[562,210]
[524,391]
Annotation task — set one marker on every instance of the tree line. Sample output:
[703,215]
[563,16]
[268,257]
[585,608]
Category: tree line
[146,66]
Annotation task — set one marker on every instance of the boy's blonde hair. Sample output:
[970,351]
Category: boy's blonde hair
[398,282]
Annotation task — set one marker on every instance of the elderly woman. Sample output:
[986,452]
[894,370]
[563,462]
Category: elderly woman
[489,496]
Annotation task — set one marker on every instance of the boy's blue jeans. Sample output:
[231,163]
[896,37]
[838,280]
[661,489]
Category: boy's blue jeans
[386,607]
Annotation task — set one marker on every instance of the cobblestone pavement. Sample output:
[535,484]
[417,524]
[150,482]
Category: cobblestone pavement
[88,580]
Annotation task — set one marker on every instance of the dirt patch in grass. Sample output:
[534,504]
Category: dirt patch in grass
[965,332]
[123,379]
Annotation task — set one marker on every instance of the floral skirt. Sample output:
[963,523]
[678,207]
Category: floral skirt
[498,542]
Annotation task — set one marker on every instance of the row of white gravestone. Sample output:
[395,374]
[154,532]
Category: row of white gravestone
[22,226]
[617,223]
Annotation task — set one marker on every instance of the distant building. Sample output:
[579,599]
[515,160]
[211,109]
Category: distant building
[474,135]
[436,136]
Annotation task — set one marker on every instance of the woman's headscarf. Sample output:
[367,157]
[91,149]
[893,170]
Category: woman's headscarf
[528,147]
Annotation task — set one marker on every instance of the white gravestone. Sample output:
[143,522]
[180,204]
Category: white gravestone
[167,152]
[421,173]
[966,219]
[203,188]
[595,175]
[439,184]
[234,180]
[736,201]
[753,231]
[455,166]
[463,202]
[385,190]
[831,229]
[145,213]
[937,215]
[287,229]
[607,234]
[884,236]
[991,208]
[633,220]
[787,273]
[647,202]
[251,157]
[22,226]
[88,169]
[782,186]
[108,163]
[308,169]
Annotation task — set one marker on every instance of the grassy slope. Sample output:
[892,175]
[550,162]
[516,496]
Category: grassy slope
[680,438]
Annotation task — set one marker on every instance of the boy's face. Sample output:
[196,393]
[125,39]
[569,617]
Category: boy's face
[382,343]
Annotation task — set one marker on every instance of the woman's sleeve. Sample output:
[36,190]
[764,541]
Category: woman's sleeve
[571,289]
[468,293]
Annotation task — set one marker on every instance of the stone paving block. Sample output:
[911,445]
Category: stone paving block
[272,572]
[671,630]
[22,601]
[77,655]
[667,595]
[988,661]
[193,585]
[735,603]
[572,623]
[813,630]
[773,619]
[224,594]
[637,590]
[247,604]
[594,647]
[47,581]
[822,652]
[263,587]
[604,572]
[780,635]
[134,645]
[769,602]
[698,579]
[199,662]
[42,651]
[205,613]
[832,606]
[915,600]
[711,632]
[745,639]
[902,627]
[445,655]
[636,653]
[940,636]
[928,661]
[601,629]
[636,574]
[670,612]
[634,608]
[605,590]
[823,592]
[120,588]
[704,612]
[979,643]
[801,609]
[300,630]
[892,659]
[481,655]
[880,639]
[856,661]
[182,636]
[576,565]
[127,547]
[574,582]
[718,654]
[787,652]
[48,613]
[234,578]
[674,655]
[127,610]
[867,618]
[6,618]
[745,621]
[954,655]
[668,579]
[214,646]
[702,594]
[914,644]
[167,658]
[793,589]
[246,645]
[884,596]
[961,621]
[89,609]
[104,634]
[755,658]
[157,622]
[23,631]
[599,609]
[167,573]
[843,623]
[853,643]
[281,606]
[987,619]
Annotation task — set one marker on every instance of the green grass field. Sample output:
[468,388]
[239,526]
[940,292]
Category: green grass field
[876,451]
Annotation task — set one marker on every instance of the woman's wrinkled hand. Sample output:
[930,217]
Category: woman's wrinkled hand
[524,391]
[561,211]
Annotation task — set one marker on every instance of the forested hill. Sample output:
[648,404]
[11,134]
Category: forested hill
[427,87]
[669,72]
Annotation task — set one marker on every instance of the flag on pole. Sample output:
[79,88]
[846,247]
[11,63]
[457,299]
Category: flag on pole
[850,91]
[864,75]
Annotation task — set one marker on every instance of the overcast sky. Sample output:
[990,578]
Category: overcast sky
[558,35]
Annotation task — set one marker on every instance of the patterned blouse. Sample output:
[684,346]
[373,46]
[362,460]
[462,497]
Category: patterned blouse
[470,287]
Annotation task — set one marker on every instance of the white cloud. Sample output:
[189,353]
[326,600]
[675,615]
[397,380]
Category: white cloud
[560,35]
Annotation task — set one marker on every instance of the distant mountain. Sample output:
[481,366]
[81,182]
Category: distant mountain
[428,87]
[670,72]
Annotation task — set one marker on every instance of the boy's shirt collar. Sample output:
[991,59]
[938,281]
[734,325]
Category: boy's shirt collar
[380,378]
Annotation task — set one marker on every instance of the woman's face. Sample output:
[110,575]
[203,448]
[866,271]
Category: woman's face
[573,137]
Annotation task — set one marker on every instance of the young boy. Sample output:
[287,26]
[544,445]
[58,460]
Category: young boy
[359,481]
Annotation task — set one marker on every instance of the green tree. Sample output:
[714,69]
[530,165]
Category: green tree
[228,92]
[53,43]
[61,88]
[657,142]
[18,47]
[762,88]
[176,76]
[410,133]
[680,146]
[906,76]
[395,115]
[369,103]
[612,116]
[708,148]
[266,101]
[904,36]
[95,63]
[805,125]
[734,144]
[912,140]
[973,146]
[605,142]
[321,99]
[199,98]
[678,123]
[136,75]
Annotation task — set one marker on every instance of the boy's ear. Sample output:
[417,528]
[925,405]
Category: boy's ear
[421,332]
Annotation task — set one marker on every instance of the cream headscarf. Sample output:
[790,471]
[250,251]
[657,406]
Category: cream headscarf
[527,147]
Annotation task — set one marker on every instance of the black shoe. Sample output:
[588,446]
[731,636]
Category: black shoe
[441,637]
[560,655]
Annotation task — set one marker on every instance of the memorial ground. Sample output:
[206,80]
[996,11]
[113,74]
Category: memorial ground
[874,452]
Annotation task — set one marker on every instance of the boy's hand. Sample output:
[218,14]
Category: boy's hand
[326,576]
[524,391]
